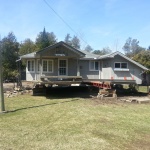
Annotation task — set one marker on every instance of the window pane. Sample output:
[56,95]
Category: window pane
[38,65]
[50,66]
[62,63]
[124,65]
[96,65]
[45,65]
[32,67]
[117,65]
[29,66]
[62,71]
[92,65]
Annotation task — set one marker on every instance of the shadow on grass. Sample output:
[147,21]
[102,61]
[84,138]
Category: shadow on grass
[128,92]
[30,107]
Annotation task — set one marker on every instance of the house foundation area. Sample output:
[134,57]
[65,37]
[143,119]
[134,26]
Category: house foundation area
[106,88]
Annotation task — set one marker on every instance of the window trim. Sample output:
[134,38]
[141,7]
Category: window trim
[33,65]
[121,69]
[47,60]
[94,65]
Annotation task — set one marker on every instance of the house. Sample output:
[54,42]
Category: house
[62,59]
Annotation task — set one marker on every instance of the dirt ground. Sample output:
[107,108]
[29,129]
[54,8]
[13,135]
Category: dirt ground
[10,86]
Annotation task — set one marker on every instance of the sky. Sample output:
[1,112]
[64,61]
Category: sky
[98,23]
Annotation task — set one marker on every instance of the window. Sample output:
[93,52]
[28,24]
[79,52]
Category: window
[30,65]
[117,65]
[47,66]
[62,67]
[94,65]
[121,66]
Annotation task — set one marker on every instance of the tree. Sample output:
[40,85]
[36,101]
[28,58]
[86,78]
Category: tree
[131,47]
[98,52]
[104,51]
[10,49]
[28,46]
[45,39]
[75,42]
[143,58]
[88,48]
[68,39]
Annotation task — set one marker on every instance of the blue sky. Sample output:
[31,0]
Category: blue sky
[101,23]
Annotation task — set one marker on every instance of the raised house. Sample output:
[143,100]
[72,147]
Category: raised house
[62,59]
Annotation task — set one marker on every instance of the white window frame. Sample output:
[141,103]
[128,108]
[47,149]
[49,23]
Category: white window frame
[47,70]
[32,69]
[94,69]
[121,69]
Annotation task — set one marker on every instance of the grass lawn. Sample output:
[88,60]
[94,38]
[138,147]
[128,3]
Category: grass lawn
[40,123]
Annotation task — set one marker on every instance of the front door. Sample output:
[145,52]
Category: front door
[62,67]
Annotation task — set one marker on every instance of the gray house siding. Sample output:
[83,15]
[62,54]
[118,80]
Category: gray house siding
[71,69]
[106,72]
[133,73]
[85,72]
[56,51]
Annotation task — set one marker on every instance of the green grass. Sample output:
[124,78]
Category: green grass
[39,123]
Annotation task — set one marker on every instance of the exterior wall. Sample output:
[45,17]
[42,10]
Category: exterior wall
[106,69]
[60,50]
[35,75]
[134,72]
[72,67]
[85,72]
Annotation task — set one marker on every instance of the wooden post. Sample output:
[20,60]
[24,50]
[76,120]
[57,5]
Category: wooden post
[1,83]
[40,65]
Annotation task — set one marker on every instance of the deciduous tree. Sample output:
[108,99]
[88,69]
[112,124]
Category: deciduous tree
[88,48]
[27,46]
[75,42]
[143,58]
[131,47]
[105,50]
[10,49]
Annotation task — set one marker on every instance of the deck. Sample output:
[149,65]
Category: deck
[68,80]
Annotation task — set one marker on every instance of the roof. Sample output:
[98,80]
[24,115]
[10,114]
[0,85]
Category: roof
[84,54]
[112,55]
[30,55]
[61,43]
[90,56]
